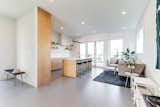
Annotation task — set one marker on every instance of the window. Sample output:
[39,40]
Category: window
[139,46]
[94,50]
[99,53]
[116,47]
[82,50]
[90,50]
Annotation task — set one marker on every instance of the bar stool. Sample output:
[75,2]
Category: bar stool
[79,68]
[89,65]
[85,63]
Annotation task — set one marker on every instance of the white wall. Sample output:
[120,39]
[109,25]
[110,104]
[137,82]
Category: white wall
[129,40]
[55,36]
[27,46]
[66,40]
[7,42]
[61,52]
[148,23]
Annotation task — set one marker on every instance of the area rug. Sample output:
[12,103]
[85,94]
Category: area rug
[111,78]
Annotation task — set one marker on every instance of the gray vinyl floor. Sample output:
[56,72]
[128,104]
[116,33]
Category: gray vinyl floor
[65,92]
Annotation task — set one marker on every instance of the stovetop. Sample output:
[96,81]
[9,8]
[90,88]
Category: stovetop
[152,101]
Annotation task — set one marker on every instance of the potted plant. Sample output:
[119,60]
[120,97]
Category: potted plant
[129,56]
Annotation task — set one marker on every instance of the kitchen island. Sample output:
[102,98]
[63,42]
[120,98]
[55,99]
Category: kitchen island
[71,66]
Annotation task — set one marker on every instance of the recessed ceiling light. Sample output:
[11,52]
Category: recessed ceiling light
[82,22]
[61,27]
[123,12]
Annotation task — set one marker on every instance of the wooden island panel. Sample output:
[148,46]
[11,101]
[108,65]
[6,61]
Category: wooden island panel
[57,64]
[69,67]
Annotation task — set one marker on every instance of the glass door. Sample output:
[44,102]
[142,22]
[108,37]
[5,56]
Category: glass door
[90,50]
[99,53]
[94,50]
[83,50]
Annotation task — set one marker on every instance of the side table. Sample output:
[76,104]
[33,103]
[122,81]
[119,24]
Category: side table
[10,72]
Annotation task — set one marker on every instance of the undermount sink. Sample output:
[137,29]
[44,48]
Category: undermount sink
[153,101]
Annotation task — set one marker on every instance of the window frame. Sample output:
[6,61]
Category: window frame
[120,39]
[140,41]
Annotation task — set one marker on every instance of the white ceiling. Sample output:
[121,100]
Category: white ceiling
[100,16]
[15,8]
